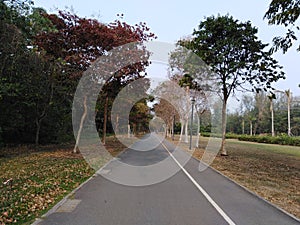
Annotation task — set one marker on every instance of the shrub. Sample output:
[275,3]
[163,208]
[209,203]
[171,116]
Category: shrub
[281,140]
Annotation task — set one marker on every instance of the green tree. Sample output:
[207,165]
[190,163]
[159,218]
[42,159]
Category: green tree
[140,116]
[33,101]
[234,121]
[232,50]
[286,13]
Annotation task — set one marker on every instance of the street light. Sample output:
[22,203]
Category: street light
[191,128]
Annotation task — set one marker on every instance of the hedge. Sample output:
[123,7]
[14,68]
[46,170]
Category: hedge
[280,140]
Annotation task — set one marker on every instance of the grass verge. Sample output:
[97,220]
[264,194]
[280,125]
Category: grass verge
[33,180]
[271,171]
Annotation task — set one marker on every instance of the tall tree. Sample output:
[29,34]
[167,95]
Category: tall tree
[239,60]
[80,41]
[27,77]
[286,13]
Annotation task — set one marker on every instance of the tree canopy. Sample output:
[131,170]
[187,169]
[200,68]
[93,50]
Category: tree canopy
[239,60]
[43,56]
[286,13]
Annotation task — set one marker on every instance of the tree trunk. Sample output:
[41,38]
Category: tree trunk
[117,124]
[251,128]
[198,132]
[39,118]
[224,108]
[288,93]
[173,124]
[181,130]
[186,140]
[105,120]
[128,130]
[243,127]
[75,150]
[272,118]
[37,133]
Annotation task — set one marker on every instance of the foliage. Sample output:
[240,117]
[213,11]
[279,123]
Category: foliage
[140,117]
[90,38]
[281,140]
[233,52]
[258,109]
[80,41]
[42,58]
[228,135]
[286,13]
[236,56]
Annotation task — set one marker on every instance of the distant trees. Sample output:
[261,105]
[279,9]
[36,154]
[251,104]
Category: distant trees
[168,113]
[140,117]
[257,107]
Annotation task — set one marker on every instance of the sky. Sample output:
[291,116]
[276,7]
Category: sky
[172,20]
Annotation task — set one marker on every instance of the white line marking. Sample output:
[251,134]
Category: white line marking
[206,195]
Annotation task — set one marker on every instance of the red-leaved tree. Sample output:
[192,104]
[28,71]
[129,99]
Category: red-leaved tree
[78,42]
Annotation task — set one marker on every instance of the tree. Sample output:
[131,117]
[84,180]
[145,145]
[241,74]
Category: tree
[167,112]
[248,105]
[80,41]
[261,111]
[140,117]
[192,75]
[234,122]
[286,13]
[239,60]
[173,97]
[27,77]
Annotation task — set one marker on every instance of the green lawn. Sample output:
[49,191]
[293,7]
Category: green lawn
[279,149]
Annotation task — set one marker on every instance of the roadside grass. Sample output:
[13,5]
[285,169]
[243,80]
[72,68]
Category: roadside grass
[271,171]
[34,179]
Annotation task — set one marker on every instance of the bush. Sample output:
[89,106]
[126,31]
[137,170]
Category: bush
[281,140]
[228,135]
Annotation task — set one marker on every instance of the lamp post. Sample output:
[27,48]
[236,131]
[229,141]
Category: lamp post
[191,128]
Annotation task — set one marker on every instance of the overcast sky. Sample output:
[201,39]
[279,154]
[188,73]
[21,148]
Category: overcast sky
[171,20]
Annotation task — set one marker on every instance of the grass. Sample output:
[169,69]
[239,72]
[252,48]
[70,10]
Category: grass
[271,171]
[34,179]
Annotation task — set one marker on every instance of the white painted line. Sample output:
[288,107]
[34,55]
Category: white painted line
[206,195]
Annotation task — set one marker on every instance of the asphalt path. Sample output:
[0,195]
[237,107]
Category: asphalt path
[186,197]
